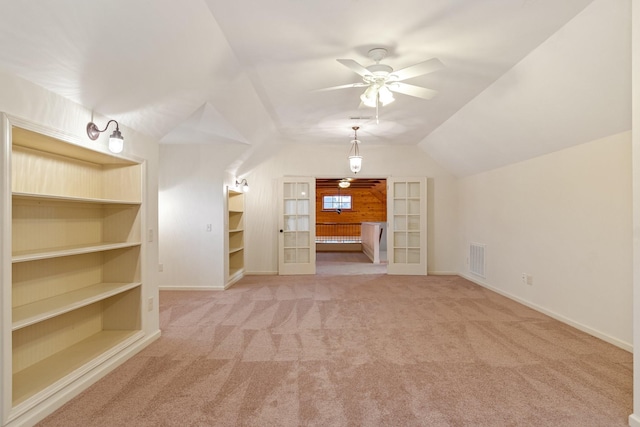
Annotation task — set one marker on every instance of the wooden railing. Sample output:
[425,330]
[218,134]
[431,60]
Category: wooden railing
[338,232]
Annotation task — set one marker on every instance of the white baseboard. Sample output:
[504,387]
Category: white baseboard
[261,273]
[634,420]
[51,404]
[611,340]
[442,273]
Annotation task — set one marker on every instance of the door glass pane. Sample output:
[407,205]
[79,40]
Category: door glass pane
[400,256]
[289,190]
[289,223]
[303,207]
[400,223]
[413,222]
[414,189]
[303,223]
[413,207]
[303,190]
[399,239]
[400,206]
[400,189]
[289,256]
[289,240]
[289,207]
[413,256]
[303,239]
[303,255]
[413,240]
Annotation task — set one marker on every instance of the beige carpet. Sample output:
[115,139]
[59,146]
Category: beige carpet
[368,350]
[346,264]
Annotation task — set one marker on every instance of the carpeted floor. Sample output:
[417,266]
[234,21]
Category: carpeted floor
[362,350]
[346,264]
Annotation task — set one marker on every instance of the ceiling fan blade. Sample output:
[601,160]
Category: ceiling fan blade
[354,66]
[411,90]
[359,84]
[426,67]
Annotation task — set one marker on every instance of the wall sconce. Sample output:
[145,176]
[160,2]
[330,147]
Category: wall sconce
[355,159]
[116,141]
[243,184]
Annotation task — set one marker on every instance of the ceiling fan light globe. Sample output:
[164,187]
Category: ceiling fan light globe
[385,95]
[369,102]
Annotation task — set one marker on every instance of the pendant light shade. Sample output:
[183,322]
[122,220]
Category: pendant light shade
[355,159]
[355,163]
[116,142]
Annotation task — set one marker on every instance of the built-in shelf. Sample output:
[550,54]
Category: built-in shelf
[38,378]
[40,310]
[35,255]
[235,235]
[74,272]
[52,198]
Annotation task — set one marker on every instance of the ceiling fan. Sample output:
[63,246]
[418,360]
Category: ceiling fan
[380,80]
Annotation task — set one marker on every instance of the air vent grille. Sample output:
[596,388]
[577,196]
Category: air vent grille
[477,259]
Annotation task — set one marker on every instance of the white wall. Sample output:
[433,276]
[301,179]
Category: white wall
[261,234]
[565,219]
[33,103]
[191,196]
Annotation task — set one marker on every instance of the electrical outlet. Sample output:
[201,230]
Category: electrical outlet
[523,277]
[529,280]
[209,227]
[150,304]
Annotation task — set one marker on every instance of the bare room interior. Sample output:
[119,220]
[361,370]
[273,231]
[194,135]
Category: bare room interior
[320,213]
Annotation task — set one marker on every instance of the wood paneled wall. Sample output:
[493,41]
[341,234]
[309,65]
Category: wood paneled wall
[367,205]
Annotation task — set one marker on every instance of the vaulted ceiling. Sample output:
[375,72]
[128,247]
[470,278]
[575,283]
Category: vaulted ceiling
[248,72]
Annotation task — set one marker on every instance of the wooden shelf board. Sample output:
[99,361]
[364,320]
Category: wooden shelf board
[37,141]
[234,250]
[50,197]
[47,372]
[38,311]
[236,230]
[234,271]
[24,256]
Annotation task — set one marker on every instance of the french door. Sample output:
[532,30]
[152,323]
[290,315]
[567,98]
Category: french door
[297,224]
[407,229]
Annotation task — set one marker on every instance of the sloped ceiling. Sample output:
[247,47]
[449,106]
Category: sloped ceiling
[247,72]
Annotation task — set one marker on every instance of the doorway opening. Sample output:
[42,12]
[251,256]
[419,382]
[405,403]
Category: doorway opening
[351,222]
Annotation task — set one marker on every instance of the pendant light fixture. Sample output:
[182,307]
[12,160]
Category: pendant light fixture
[355,159]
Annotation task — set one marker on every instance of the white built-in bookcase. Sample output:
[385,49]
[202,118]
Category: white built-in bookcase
[235,236]
[72,251]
